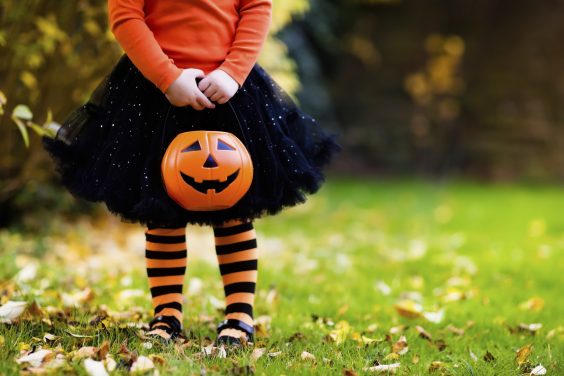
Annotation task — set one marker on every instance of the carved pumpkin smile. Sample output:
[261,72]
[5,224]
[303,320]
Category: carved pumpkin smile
[216,185]
[206,170]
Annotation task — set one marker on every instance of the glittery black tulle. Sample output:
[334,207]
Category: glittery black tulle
[128,123]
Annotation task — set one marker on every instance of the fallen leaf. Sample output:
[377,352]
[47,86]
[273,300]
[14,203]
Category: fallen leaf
[307,356]
[383,368]
[523,354]
[349,372]
[157,359]
[473,356]
[85,352]
[274,354]
[48,337]
[534,304]
[423,333]
[142,364]
[257,353]
[11,311]
[538,370]
[340,333]
[110,363]
[400,347]
[397,329]
[415,359]
[434,317]
[409,308]
[35,359]
[94,367]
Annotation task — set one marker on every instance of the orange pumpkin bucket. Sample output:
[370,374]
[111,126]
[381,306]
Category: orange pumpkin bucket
[206,170]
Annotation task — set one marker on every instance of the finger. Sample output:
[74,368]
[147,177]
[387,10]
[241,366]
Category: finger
[211,90]
[223,100]
[203,100]
[205,84]
[218,94]
[196,105]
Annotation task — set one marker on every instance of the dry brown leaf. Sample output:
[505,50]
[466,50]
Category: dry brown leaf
[409,308]
[85,352]
[423,333]
[400,347]
[37,358]
[349,372]
[523,354]
[157,359]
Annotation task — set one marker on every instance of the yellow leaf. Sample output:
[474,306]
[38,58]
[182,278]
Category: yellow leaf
[534,304]
[523,354]
[409,308]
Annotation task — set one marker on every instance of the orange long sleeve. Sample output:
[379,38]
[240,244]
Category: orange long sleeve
[163,36]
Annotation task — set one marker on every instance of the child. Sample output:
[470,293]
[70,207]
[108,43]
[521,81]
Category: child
[191,65]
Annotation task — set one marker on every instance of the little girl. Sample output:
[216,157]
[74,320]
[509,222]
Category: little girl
[190,65]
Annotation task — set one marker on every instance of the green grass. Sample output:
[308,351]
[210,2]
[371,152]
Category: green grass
[496,246]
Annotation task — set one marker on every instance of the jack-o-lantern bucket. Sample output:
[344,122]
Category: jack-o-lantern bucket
[206,170]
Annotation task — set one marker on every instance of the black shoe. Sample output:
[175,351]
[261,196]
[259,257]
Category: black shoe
[169,324]
[234,341]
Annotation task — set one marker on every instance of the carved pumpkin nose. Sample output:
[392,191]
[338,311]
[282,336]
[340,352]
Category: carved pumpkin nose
[210,162]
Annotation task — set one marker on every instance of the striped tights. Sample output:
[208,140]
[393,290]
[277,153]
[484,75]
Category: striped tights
[237,254]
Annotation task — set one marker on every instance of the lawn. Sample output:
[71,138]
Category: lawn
[414,277]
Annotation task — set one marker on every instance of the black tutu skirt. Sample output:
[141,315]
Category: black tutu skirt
[119,137]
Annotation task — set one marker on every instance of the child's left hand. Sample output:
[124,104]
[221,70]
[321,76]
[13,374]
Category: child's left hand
[218,86]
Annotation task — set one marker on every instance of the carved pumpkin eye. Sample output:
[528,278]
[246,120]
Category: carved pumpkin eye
[224,146]
[194,147]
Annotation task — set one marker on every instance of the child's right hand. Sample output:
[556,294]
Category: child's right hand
[184,91]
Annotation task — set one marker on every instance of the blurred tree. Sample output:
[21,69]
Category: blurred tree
[385,63]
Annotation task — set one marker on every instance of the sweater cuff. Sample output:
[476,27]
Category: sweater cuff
[168,78]
[239,77]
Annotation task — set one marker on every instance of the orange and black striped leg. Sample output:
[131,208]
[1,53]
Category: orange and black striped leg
[237,254]
[166,256]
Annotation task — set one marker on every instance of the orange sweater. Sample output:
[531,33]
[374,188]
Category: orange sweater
[163,36]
